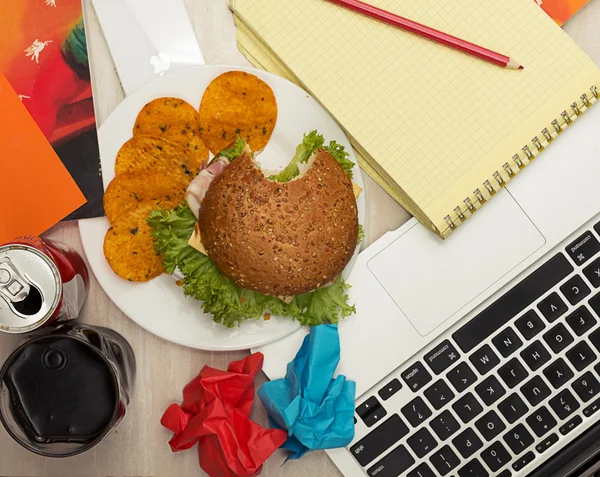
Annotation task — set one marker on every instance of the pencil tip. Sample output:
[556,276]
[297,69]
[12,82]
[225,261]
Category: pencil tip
[514,65]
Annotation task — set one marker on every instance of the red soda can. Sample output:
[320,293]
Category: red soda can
[41,282]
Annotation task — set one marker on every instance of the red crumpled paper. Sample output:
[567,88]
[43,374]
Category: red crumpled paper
[215,414]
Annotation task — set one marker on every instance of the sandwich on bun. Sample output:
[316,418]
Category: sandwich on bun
[249,246]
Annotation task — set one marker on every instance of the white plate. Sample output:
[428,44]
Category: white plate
[159,305]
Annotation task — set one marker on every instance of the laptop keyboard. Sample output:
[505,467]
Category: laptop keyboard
[499,391]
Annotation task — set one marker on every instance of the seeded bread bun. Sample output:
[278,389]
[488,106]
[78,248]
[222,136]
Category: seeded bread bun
[280,239]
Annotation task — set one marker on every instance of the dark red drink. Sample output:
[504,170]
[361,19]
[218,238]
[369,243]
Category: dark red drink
[41,282]
[62,392]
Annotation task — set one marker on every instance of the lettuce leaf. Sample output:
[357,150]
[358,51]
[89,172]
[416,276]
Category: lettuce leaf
[234,151]
[311,142]
[361,234]
[338,151]
[227,302]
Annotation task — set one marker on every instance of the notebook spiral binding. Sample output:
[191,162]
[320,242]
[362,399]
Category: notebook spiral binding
[519,161]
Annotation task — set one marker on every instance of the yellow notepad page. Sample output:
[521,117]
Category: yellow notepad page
[262,57]
[435,123]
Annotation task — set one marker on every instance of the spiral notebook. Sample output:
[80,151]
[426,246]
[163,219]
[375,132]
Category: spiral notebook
[441,131]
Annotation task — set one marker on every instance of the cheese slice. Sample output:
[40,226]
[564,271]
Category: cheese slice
[357,190]
[195,240]
[286,299]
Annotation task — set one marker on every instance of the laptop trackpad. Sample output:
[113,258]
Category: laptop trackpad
[430,279]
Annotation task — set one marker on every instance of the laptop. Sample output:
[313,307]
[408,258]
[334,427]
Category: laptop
[480,355]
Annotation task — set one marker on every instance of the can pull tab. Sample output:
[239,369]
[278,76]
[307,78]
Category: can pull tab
[13,286]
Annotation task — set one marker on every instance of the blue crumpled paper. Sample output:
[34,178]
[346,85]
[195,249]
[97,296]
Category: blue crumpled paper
[316,410]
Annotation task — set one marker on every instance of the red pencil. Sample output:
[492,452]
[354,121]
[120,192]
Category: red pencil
[430,33]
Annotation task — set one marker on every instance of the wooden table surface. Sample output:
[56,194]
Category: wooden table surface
[138,447]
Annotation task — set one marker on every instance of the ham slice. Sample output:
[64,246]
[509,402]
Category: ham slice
[197,189]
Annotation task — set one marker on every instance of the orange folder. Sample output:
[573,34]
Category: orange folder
[36,190]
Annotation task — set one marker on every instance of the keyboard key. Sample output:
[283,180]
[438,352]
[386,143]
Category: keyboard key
[442,357]
[595,339]
[444,460]
[439,394]
[507,342]
[547,443]
[496,456]
[523,461]
[592,408]
[473,469]
[595,304]
[583,248]
[416,412]
[512,303]
[371,412]
[379,440]
[461,377]
[564,404]
[558,373]
[467,443]
[484,359]
[581,356]
[569,426]
[575,290]
[504,473]
[586,386]
[444,425]
[552,307]
[368,406]
[541,421]
[518,439]
[374,417]
[513,372]
[390,389]
[581,320]
[422,442]
[592,273]
[393,464]
[467,408]
[535,355]
[530,324]
[512,408]
[558,338]
[535,390]
[422,471]
[490,390]
[490,425]
[416,376]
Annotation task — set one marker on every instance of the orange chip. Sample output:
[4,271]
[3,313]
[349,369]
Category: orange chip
[174,120]
[144,152]
[129,247]
[164,187]
[237,104]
